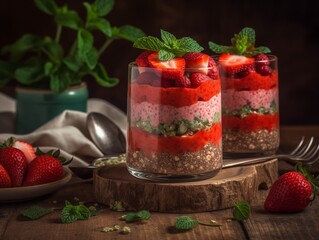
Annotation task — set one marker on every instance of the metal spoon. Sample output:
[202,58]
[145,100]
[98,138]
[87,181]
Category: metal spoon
[107,136]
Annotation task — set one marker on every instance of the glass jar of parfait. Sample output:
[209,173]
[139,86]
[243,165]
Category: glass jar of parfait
[174,118]
[250,106]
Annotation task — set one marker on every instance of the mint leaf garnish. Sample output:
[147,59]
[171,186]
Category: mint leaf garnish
[241,210]
[141,215]
[71,213]
[169,46]
[185,223]
[242,43]
[36,212]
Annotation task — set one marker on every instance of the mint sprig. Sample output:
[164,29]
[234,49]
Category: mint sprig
[169,46]
[71,213]
[138,216]
[187,223]
[242,43]
[241,210]
[35,212]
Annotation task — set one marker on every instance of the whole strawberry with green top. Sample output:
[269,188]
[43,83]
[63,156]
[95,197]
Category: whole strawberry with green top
[292,191]
[45,168]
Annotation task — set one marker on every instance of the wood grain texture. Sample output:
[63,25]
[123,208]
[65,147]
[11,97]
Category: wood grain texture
[114,183]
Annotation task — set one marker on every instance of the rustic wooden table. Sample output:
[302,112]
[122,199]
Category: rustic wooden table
[261,225]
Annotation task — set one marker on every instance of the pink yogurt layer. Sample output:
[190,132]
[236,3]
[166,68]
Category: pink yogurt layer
[157,114]
[260,98]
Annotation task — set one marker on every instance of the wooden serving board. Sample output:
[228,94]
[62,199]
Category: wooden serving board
[115,183]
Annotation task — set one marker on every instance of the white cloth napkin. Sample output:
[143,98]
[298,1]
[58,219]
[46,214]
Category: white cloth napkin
[67,131]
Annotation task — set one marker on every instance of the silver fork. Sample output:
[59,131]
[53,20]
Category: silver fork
[307,152]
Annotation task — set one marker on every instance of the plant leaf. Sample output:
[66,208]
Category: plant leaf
[149,43]
[101,24]
[131,217]
[36,212]
[187,44]
[185,223]
[128,32]
[53,50]
[165,55]
[83,212]
[220,49]
[103,7]
[91,58]
[31,72]
[69,19]
[258,51]
[74,63]
[102,77]
[60,80]
[144,215]
[69,214]
[84,41]
[168,38]
[22,45]
[47,6]
[241,210]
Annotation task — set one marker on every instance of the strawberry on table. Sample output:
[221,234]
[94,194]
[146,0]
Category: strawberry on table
[5,180]
[291,192]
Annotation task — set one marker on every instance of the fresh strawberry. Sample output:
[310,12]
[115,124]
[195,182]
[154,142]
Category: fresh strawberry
[213,72]
[26,148]
[142,59]
[43,169]
[291,192]
[197,60]
[262,65]
[15,163]
[197,79]
[182,82]
[170,69]
[233,64]
[5,180]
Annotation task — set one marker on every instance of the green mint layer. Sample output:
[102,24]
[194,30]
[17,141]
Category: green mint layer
[177,128]
[242,43]
[169,46]
[247,109]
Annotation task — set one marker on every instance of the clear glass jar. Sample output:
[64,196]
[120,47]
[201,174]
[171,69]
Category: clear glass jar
[250,109]
[174,133]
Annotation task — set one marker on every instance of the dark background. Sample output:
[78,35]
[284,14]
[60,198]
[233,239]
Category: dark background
[289,28]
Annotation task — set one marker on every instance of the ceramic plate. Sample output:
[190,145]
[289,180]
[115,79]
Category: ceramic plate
[26,193]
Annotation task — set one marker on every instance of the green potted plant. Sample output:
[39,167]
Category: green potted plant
[54,73]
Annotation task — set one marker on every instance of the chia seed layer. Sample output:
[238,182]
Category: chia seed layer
[166,114]
[207,159]
[233,99]
[261,141]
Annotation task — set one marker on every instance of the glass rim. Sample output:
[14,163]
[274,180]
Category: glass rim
[272,58]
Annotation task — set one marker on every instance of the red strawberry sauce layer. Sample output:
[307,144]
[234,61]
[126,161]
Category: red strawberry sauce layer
[252,122]
[151,143]
[177,97]
[252,81]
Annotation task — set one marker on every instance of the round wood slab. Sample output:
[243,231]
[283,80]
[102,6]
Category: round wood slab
[115,183]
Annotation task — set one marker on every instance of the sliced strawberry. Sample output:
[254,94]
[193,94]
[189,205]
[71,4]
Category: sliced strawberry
[197,79]
[26,148]
[183,82]
[142,59]
[197,60]
[171,69]
[5,180]
[233,64]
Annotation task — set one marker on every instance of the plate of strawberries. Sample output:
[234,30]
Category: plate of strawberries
[26,173]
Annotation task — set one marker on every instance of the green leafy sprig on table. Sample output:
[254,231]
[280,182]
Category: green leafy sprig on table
[242,43]
[169,46]
[137,216]
[42,61]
